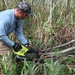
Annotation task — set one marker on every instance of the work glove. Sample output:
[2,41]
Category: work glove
[31,49]
[16,47]
[19,49]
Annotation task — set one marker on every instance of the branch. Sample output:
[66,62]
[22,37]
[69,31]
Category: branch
[61,45]
[60,52]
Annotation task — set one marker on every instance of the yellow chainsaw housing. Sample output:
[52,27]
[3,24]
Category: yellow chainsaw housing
[21,52]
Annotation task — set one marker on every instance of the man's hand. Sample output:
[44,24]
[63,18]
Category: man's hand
[19,49]
[31,49]
[16,47]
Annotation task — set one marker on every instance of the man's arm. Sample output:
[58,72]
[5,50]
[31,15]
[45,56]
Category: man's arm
[6,40]
[3,29]
[19,33]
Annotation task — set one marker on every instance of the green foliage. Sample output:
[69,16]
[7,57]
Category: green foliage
[6,65]
[54,67]
[48,67]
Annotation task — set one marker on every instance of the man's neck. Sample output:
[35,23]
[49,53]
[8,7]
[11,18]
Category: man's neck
[16,14]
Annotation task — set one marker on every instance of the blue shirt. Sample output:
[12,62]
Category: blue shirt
[8,25]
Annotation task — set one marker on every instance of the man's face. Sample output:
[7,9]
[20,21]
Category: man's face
[22,15]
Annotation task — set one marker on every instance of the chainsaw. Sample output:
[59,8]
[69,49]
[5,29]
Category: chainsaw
[21,53]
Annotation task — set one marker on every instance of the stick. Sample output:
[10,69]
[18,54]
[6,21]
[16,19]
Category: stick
[61,52]
[61,45]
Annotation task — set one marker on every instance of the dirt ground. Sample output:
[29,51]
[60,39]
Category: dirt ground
[4,49]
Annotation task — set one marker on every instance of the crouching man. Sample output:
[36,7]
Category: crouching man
[12,20]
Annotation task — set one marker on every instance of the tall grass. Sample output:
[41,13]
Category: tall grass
[50,30]
[47,26]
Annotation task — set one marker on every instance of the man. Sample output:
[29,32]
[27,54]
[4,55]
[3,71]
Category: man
[12,20]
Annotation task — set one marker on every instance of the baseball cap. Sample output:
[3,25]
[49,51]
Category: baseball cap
[25,7]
